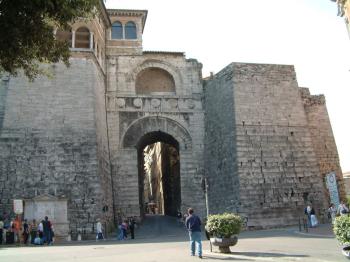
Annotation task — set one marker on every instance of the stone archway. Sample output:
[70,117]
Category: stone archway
[142,126]
[129,178]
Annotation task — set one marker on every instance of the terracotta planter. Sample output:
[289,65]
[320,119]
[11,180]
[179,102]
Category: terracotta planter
[224,243]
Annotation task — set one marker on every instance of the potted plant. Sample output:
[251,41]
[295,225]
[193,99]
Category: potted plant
[223,230]
[341,230]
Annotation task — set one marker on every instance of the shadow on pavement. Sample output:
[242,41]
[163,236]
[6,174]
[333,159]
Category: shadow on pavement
[263,254]
[249,256]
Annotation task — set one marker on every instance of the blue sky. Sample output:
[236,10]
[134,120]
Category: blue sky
[305,33]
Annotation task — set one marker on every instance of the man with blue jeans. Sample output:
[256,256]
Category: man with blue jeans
[193,225]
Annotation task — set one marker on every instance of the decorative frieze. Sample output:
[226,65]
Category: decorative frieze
[154,103]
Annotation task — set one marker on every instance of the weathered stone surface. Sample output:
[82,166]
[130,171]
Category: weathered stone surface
[322,137]
[53,141]
[263,144]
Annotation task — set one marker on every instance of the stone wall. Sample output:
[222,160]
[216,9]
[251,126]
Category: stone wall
[53,141]
[275,160]
[104,169]
[322,138]
[220,163]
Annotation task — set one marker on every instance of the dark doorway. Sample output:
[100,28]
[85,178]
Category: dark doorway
[159,174]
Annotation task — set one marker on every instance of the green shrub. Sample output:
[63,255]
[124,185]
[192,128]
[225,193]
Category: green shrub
[224,225]
[348,200]
[341,229]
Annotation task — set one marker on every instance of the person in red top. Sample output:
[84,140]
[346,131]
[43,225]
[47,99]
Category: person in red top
[17,227]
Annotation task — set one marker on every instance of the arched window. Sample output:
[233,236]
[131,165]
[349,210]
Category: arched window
[64,36]
[153,79]
[117,30]
[130,30]
[82,38]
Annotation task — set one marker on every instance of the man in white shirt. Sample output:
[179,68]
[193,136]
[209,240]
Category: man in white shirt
[99,234]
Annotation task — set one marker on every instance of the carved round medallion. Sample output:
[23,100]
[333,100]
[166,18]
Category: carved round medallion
[190,104]
[137,102]
[155,103]
[172,103]
[120,102]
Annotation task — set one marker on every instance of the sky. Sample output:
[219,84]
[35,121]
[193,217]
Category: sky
[305,33]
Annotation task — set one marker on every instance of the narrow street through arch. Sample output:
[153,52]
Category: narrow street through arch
[159,174]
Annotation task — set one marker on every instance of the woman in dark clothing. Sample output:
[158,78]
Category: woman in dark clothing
[25,232]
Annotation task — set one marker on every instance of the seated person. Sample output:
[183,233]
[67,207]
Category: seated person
[38,240]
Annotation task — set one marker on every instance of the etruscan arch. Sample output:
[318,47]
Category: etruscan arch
[143,126]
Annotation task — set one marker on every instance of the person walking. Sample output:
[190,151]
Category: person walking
[193,225]
[25,232]
[120,234]
[132,227]
[308,212]
[125,229]
[47,230]
[332,211]
[99,233]
[17,227]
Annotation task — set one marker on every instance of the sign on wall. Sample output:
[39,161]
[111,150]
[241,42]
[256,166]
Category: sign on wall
[331,182]
[18,206]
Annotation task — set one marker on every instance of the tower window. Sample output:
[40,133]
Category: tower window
[117,30]
[130,30]
[82,38]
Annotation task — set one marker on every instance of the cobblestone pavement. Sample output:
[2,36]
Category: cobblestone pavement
[164,241]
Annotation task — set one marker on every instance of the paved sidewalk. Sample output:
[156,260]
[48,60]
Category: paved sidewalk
[286,244]
[323,230]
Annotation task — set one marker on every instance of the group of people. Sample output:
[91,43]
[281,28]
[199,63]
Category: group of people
[341,210]
[22,232]
[333,212]
[127,226]
[311,216]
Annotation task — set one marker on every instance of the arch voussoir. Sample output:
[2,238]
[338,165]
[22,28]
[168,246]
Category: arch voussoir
[143,126]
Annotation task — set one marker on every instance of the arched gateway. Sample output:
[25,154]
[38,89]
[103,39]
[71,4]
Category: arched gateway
[157,146]
[145,125]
